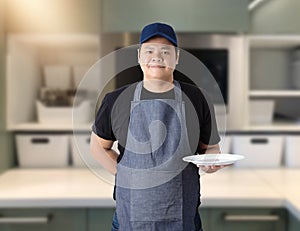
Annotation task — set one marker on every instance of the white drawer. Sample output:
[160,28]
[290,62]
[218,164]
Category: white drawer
[42,150]
[292,151]
[259,150]
[80,151]
[225,144]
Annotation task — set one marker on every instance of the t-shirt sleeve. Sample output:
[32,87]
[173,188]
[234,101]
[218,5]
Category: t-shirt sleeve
[208,126]
[102,125]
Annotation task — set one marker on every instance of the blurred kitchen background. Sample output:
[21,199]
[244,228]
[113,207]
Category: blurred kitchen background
[252,47]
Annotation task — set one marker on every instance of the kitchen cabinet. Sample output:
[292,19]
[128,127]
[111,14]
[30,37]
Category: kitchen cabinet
[2,70]
[43,219]
[269,69]
[5,138]
[223,219]
[81,219]
[205,215]
[28,56]
[39,64]
[100,218]
[293,223]
[199,15]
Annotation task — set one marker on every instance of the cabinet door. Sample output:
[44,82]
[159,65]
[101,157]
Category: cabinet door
[199,15]
[43,220]
[293,223]
[100,219]
[205,214]
[247,220]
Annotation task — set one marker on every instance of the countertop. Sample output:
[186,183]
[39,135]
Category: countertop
[75,187]
[234,187]
[70,187]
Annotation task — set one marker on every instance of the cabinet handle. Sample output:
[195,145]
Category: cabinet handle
[24,220]
[228,217]
[259,141]
[40,140]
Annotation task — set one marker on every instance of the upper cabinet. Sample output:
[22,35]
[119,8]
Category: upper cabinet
[186,16]
[275,17]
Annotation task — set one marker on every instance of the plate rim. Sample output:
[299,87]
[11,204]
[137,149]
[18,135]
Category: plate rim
[224,162]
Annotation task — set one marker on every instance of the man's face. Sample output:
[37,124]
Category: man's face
[158,59]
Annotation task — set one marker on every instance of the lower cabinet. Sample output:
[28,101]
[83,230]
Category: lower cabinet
[246,219]
[72,219]
[100,219]
[293,223]
[43,219]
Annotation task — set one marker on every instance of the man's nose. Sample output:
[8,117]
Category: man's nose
[157,58]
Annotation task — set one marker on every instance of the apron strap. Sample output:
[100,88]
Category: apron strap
[177,91]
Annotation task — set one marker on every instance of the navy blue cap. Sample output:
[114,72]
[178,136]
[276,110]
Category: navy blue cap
[158,29]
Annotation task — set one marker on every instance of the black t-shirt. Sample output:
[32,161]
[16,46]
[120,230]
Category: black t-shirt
[112,118]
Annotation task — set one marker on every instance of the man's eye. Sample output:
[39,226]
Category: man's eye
[148,52]
[165,52]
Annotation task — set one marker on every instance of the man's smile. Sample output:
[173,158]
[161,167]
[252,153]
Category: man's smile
[156,66]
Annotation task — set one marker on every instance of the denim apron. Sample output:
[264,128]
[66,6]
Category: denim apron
[150,192]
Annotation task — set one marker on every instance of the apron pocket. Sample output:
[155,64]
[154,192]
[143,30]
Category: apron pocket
[160,203]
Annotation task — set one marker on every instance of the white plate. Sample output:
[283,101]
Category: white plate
[213,159]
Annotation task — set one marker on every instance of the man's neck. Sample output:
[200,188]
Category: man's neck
[158,86]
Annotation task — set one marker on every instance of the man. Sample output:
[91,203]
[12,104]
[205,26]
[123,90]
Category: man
[156,122]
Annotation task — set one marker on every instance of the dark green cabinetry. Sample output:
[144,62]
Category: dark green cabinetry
[293,223]
[73,219]
[185,16]
[246,219]
[100,219]
[6,160]
[43,219]
[96,219]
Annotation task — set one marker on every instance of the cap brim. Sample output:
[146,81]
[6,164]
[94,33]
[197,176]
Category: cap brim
[162,35]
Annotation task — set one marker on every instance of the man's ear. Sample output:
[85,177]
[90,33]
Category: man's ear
[177,56]
[138,53]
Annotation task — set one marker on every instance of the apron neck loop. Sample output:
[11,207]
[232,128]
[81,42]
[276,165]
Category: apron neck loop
[139,87]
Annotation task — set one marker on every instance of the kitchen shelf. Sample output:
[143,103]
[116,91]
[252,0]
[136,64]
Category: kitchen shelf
[274,93]
[276,126]
[274,41]
[270,78]
[27,57]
